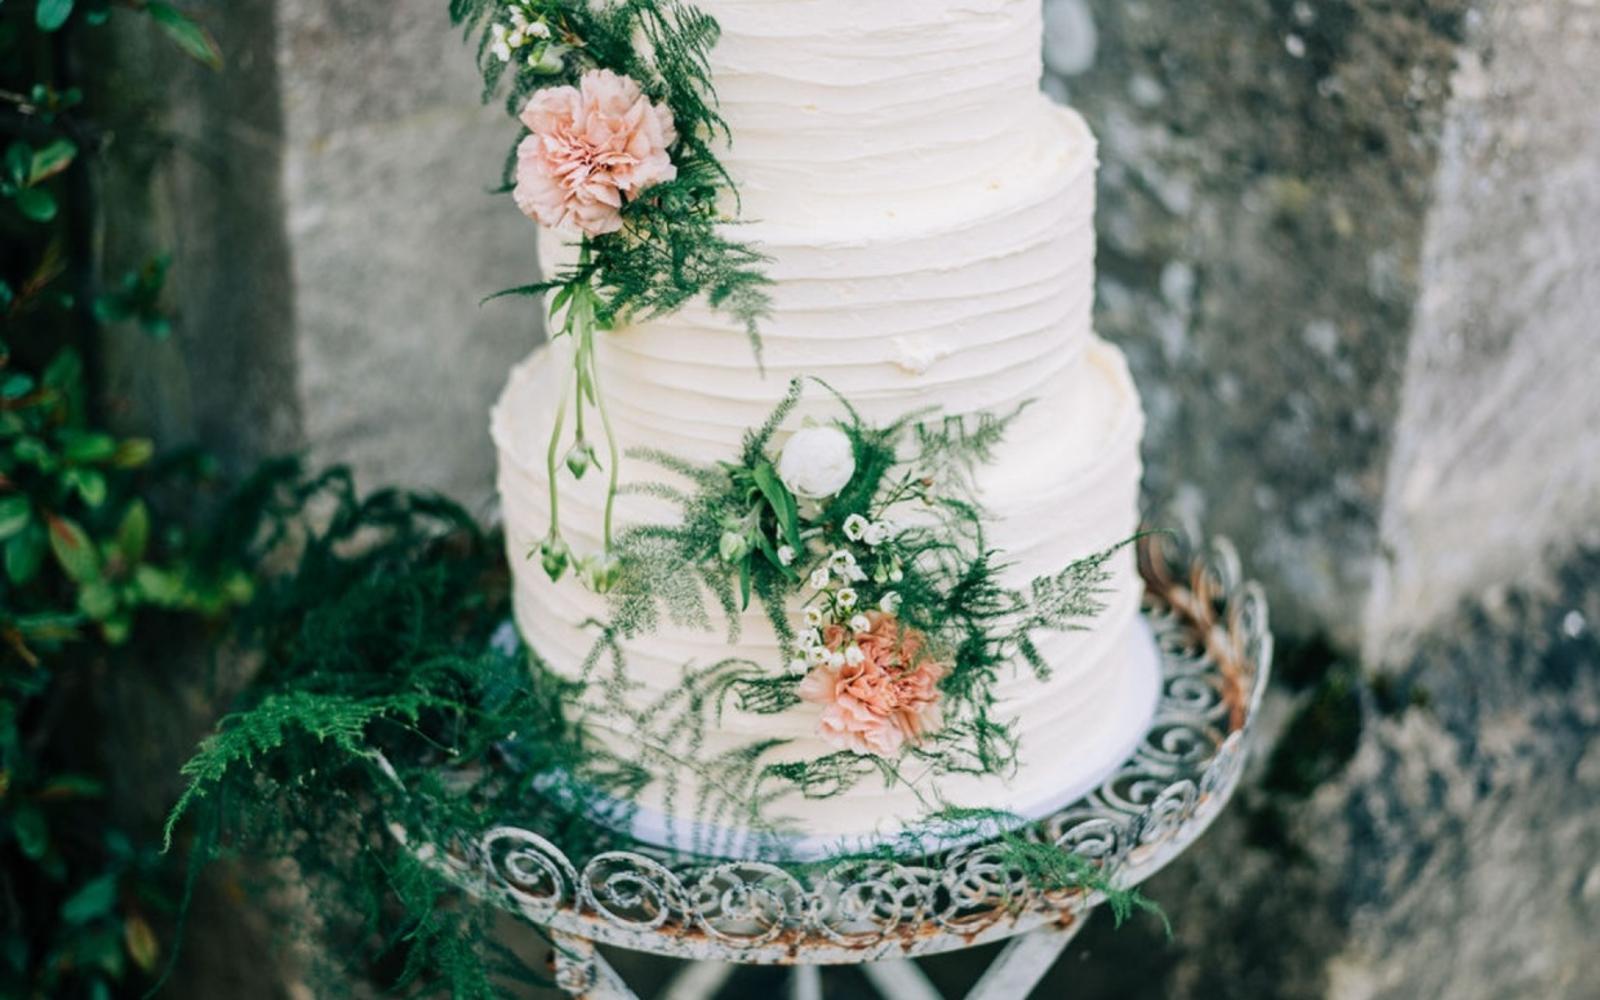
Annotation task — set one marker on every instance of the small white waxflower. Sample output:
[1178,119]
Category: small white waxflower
[813,616]
[785,554]
[798,666]
[860,623]
[846,597]
[853,573]
[808,638]
[875,533]
[819,577]
[538,29]
[817,655]
[836,660]
[854,656]
[499,43]
[817,462]
[855,526]
[896,575]
[889,602]
[841,558]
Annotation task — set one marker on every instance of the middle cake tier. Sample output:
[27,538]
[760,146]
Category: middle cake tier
[970,302]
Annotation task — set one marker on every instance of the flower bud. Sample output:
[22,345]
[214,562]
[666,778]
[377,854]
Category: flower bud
[555,556]
[579,457]
[602,572]
[733,546]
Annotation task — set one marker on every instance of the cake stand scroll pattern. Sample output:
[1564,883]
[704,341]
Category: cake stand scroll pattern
[1211,629]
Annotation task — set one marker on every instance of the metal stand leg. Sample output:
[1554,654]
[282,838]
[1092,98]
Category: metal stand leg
[582,973]
[697,981]
[805,983]
[899,979]
[1023,962]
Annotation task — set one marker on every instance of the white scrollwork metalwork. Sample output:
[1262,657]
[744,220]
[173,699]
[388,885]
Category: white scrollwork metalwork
[1211,629]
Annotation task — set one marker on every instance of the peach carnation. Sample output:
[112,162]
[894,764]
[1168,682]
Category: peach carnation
[592,147]
[874,702]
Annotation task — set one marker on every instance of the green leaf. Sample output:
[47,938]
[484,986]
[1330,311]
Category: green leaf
[36,204]
[25,553]
[133,453]
[194,40]
[98,599]
[86,447]
[16,385]
[50,15]
[133,533]
[49,625]
[51,160]
[141,942]
[90,484]
[65,371]
[18,161]
[781,501]
[158,586]
[15,514]
[73,550]
[33,835]
[95,899]
[116,629]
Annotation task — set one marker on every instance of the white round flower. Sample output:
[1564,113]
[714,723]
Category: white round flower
[841,559]
[813,616]
[819,577]
[810,637]
[860,623]
[854,655]
[817,462]
[855,526]
[889,602]
[785,554]
[836,660]
[817,655]
[846,597]
[875,533]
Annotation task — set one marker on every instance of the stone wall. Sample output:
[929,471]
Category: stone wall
[328,201]
[1350,248]
[1267,173]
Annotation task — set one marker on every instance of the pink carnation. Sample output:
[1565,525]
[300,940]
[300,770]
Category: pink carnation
[890,696]
[592,147]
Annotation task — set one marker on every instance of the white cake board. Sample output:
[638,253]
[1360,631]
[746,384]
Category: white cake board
[1134,707]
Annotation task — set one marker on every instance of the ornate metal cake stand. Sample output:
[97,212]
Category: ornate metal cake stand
[1211,628]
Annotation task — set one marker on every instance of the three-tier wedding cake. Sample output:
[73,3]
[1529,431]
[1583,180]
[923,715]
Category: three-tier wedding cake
[927,217]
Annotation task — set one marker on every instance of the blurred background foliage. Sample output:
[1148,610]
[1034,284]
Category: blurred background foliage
[100,545]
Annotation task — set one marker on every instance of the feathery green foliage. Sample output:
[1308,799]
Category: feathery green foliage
[933,567]
[386,699]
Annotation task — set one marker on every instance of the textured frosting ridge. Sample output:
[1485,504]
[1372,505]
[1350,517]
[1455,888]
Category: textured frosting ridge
[929,216]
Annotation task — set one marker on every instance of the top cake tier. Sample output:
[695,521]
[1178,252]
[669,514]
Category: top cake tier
[840,105]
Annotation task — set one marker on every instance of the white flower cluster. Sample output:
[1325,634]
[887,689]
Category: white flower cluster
[507,39]
[870,533]
[837,601]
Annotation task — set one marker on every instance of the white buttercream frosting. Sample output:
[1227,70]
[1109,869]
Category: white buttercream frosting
[930,222]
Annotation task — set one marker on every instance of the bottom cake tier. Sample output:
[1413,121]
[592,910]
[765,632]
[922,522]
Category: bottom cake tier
[1063,485]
